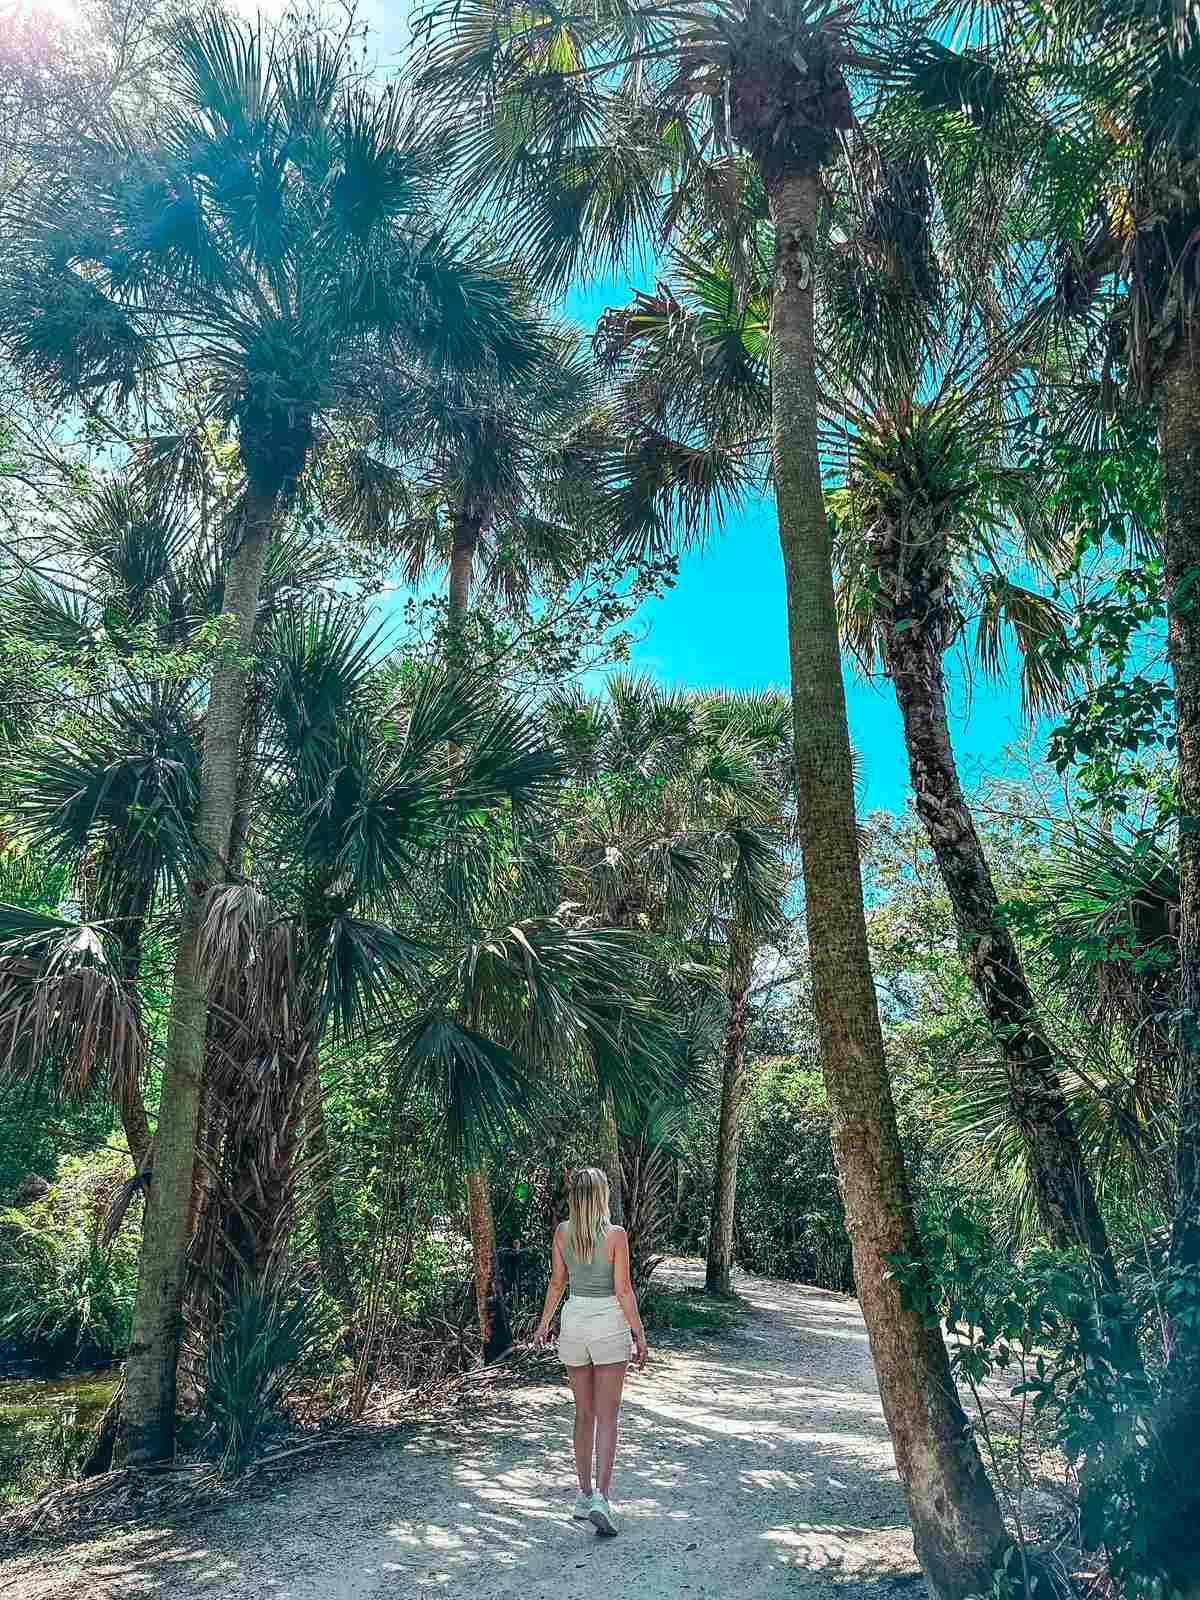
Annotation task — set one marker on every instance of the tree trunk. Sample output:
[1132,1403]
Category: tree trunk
[210,1115]
[468,526]
[335,1269]
[239,830]
[719,1269]
[1179,454]
[147,1427]
[609,1140]
[134,1121]
[1066,1199]
[489,1299]
[958,1531]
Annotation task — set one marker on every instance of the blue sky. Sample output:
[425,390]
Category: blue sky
[724,623]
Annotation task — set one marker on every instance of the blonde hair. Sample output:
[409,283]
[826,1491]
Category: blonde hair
[587,1199]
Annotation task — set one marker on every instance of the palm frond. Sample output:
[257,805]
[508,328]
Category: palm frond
[65,1008]
[363,963]
[1035,623]
[128,781]
[478,1090]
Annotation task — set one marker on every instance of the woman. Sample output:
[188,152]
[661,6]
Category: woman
[598,1323]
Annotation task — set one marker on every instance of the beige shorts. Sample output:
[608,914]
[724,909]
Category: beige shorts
[593,1329]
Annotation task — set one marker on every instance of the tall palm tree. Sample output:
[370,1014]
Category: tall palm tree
[506,479]
[109,791]
[272,228]
[507,491]
[934,525]
[923,546]
[749,909]
[914,423]
[595,132]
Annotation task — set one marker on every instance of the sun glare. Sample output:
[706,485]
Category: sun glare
[63,11]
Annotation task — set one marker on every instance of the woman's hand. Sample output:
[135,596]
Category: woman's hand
[640,1351]
[542,1338]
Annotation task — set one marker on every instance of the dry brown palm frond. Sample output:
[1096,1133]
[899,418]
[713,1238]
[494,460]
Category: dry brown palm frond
[75,1015]
[247,951]
[255,1164]
[648,1174]
[236,919]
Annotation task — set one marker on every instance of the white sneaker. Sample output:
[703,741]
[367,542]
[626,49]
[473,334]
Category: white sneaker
[583,1507]
[601,1516]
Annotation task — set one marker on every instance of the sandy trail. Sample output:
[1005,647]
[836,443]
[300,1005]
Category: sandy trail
[751,1466]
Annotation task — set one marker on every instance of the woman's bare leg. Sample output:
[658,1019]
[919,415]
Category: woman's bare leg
[609,1381]
[583,1389]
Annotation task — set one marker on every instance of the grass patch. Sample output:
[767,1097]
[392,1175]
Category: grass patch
[685,1311]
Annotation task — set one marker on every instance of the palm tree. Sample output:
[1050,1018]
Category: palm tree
[923,547]
[619,859]
[1138,120]
[396,839]
[506,480]
[352,812]
[934,523]
[1095,111]
[749,909]
[914,423]
[109,792]
[272,229]
[594,133]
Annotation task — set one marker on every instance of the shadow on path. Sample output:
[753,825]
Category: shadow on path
[750,1467]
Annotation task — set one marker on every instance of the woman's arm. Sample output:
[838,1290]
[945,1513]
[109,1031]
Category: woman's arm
[558,1285]
[623,1288]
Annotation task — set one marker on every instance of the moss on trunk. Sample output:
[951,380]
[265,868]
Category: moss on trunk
[147,1423]
[958,1531]
[1179,449]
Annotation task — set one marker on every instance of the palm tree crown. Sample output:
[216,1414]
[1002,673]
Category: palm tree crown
[274,227]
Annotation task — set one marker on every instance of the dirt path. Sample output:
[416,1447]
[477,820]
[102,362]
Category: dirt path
[752,1466]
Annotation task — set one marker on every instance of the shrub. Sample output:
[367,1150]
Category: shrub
[269,1337]
[789,1217]
[63,1299]
[1045,1322]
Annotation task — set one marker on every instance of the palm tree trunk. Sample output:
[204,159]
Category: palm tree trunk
[468,525]
[135,1123]
[483,1247]
[489,1299]
[1066,1199]
[210,1113]
[958,1531]
[1179,453]
[147,1427]
[130,927]
[719,1268]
